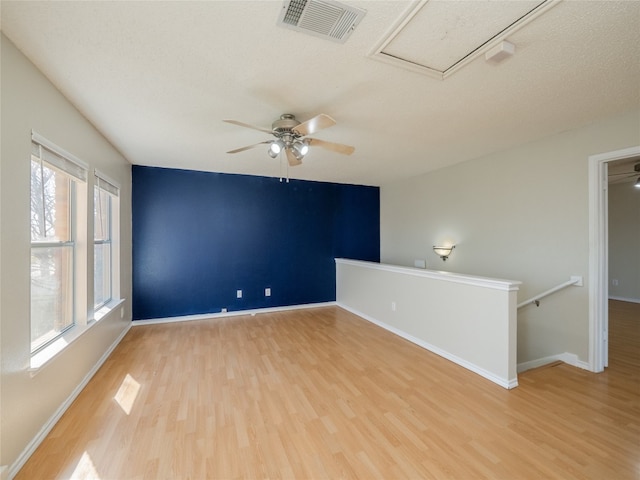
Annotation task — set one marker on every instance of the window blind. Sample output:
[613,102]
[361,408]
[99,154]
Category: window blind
[55,156]
[106,184]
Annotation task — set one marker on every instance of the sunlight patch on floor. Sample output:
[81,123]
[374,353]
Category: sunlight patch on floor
[85,470]
[127,393]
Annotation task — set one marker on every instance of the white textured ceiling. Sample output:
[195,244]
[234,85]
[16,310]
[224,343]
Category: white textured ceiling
[158,78]
[437,35]
[622,171]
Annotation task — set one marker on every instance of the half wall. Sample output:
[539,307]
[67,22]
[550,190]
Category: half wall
[469,320]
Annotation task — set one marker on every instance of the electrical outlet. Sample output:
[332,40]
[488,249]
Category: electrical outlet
[238,293]
[615,282]
[224,310]
[267,292]
[393,306]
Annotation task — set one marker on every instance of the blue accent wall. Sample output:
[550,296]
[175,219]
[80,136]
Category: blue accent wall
[199,236]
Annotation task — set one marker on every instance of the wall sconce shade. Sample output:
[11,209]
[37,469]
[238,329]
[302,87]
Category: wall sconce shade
[443,252]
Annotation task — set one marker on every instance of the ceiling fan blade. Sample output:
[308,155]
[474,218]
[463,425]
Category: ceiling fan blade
[242,149]
[242,124]
[314,124]
[334,147]
[291,158]
[635,174]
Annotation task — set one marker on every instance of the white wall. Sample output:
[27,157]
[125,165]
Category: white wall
[624,241]
[520,214]
[422,306]
[29,101]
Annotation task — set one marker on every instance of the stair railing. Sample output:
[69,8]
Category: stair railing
[575,280]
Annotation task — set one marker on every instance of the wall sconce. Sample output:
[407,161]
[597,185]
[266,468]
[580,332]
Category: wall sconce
[443,252]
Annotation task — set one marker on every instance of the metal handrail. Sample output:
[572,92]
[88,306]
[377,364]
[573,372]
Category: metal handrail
[575,280]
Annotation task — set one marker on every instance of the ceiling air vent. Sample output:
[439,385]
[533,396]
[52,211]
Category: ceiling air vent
[321,18]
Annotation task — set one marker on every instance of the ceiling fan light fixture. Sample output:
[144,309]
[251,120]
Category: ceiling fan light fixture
[290,136]
[301,147]
[299,156]
[275,148]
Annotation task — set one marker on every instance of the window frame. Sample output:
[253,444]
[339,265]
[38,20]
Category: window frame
[85,315]
[61,162]
[104,185]
[106,240]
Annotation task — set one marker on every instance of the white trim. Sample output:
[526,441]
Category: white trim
[236,313]
[503,382]
[44,431]
[377,53]
[48,144]
[42,358]
[106,178]
[494,283]
[568,358]
[624,299]
[598,254]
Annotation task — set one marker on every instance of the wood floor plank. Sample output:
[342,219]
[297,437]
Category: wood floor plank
[321,393]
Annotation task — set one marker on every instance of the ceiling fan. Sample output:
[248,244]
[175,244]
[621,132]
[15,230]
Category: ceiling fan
[291,136]
[636,171]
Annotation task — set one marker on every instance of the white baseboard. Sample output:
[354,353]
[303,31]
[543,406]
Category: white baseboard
[568,358]
[44,431]
[209,316]
[503,382]
[623,299]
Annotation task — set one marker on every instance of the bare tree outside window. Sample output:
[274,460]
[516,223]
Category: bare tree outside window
[51,253]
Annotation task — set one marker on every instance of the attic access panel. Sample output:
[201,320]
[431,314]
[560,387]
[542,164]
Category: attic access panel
[439,37]
[326,19]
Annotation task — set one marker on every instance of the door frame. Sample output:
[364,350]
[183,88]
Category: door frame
[599,255]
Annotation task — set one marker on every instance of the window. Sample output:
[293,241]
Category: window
[62,304]
[55,177]
[104,195]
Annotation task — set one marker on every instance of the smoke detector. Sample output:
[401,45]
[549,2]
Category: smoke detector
[321,18]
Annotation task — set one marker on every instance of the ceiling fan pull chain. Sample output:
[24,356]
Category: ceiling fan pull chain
[287,171]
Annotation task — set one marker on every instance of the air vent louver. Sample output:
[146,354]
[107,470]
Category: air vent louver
[321,18]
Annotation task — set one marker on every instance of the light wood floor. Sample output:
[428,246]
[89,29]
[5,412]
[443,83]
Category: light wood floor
[323,394]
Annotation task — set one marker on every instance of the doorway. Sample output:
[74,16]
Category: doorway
[598,254]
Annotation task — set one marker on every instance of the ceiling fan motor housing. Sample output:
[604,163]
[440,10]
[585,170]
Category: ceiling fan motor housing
[285,124]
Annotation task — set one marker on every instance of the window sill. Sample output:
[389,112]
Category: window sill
[42,358]
[106,309]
